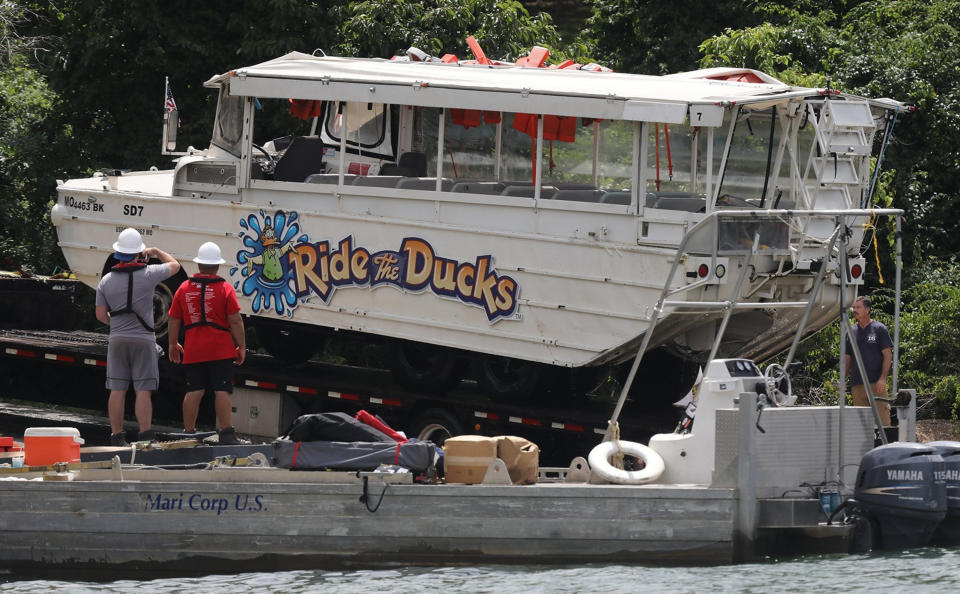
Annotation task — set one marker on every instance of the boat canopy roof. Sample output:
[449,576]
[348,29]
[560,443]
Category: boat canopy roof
[567,92]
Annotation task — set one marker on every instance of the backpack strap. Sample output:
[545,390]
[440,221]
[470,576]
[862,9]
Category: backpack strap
[203,282]
[129,268]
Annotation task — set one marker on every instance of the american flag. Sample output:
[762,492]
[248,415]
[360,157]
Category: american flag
[169,104]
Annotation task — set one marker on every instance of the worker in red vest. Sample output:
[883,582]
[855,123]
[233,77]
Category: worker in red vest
[206,307]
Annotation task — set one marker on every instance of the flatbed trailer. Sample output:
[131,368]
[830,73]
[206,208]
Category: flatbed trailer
[60,367]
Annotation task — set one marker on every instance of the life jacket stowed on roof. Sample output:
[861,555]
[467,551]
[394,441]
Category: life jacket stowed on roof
[129,268]
[203,282]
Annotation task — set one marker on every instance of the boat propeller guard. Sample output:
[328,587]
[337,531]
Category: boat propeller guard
[599,459]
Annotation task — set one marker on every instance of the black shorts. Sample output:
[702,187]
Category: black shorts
[209,375]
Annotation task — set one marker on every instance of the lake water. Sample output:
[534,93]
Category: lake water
[914,571]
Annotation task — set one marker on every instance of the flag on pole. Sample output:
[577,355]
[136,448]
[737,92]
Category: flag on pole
[169,104]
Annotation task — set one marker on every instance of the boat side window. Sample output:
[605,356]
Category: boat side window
[470,139]
[588,160]
[673,152]
[228,127]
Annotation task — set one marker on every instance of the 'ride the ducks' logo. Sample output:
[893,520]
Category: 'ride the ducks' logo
[280,269]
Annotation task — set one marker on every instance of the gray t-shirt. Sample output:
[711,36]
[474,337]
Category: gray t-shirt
[871,340]
[112,293]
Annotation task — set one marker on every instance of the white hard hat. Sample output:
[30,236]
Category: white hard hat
[209,253]
[129,242]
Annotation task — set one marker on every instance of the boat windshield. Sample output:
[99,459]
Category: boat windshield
[227,130]
[365,124]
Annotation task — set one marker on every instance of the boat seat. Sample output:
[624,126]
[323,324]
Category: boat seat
[731,201]
[579,195]
[302,158]
[424,183]
[574,186]
[416,161]
[410,164]
[378,181]
[615,197]
[478,187]
[683,201]
[280,144]
[394,169]
[546,192]
[330,178]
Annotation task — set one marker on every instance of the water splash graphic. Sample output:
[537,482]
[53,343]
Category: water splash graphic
[265,276]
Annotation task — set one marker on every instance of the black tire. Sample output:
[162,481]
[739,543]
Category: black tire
[162,299]
[508,379]
[435,425]
[288,344]
[661,380]
[427,367]
[578,382]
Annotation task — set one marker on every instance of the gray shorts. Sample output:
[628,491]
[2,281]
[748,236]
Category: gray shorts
[132,360]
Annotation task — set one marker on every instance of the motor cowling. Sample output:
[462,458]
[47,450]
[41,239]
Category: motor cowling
[900,488]
[948,532]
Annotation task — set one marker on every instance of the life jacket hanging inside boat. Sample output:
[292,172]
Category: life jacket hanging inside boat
[203,282]
[129,268]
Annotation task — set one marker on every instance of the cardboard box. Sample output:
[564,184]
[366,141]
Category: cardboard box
[466,457]
[522,458]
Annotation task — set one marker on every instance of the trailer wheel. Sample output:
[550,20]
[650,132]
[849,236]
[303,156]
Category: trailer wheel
[426,367]
[436,425]
[505,378]
[288,344]
[162,300]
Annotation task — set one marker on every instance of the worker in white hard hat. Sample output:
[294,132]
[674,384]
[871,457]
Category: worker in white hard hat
[125,304]
[207,309]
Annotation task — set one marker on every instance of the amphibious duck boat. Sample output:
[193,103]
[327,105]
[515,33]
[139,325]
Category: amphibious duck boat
[522,216]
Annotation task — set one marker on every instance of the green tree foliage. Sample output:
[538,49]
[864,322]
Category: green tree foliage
[111,62]
[382,28]
[929,341]
[909,50]
[29,142]
[650,37]
[905,49]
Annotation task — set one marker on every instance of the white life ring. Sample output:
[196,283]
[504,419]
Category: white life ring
[600,463]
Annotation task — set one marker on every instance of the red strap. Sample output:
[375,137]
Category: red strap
[396,456]
[296,450]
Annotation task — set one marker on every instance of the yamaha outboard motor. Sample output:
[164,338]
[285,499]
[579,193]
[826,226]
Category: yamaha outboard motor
[901,490]
[948,532]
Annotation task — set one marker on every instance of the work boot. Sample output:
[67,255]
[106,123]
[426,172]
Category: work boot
[228,436]
[118,440]
[147,435]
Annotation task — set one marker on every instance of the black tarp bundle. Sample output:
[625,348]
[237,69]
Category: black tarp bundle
[340,442]
[333,426]
[416,456]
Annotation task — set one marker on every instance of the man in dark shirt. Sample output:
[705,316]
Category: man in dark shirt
[876,350]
